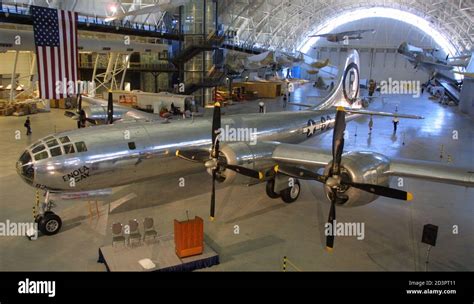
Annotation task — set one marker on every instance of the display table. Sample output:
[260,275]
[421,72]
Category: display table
[161,253]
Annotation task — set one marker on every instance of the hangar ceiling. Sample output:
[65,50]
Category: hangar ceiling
[284,24]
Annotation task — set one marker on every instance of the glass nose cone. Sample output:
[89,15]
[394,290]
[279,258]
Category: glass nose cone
[25,167]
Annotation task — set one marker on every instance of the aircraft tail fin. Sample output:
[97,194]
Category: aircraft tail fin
[346,92]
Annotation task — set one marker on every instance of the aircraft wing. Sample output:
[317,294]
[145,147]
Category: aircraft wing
[321,35]
[128,113]
[432,171]
[311,157]
[439,66]
[301,155]
[356,32]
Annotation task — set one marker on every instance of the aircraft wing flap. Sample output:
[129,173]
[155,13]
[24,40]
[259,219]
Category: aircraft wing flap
[432,171]
[301,155]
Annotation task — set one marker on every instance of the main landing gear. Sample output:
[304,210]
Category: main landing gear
[288,194]
[49,223]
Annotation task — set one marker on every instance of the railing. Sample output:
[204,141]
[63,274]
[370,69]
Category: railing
[24,9]
[132,66]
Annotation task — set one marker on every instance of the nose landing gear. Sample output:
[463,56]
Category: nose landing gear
[49,223]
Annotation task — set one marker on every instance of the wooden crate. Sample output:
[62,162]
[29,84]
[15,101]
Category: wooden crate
[189,237]
[62,103]
[264,89]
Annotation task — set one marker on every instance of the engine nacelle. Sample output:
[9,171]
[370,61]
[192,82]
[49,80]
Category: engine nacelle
[99,113]
[257,157]
[361,167]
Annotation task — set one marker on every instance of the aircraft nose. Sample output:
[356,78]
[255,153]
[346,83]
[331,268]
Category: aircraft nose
[25,167]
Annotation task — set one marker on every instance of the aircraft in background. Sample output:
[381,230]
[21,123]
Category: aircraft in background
[315,67]
[237,62]
[99,112]
[459,61]
[158,6]
[320,64]
[423,58]
[91,159]
[284,60]
[469,70]
[344,36]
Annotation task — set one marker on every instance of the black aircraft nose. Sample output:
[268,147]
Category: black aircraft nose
[25,167]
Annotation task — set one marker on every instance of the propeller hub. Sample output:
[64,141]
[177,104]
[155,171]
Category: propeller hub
[333,181]
[211,164]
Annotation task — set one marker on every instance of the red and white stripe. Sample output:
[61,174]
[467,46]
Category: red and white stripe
[57,66]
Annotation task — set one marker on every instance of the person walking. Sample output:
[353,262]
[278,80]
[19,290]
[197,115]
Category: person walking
[285,100]
[261,106]
[395,121]
[371,124]
[28,125]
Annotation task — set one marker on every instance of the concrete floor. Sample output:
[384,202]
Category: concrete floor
[268,229]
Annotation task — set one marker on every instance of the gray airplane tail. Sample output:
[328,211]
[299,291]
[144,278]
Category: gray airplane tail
[346,92]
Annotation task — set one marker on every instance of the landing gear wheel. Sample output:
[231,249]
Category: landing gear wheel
[289,195]
[269,189]
[38,218]
[50,223]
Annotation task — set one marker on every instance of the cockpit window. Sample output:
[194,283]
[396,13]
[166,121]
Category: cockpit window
[38,148]
[68,149]
[51,143]
[36,144]
[81,146]
[41,155]
[55,151]
[64,139]
[25,158]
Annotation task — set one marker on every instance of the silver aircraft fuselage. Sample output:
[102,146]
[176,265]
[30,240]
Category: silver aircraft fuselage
[128,152]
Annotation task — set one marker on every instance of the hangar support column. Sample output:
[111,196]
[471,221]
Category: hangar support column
[466,99]
[197,55]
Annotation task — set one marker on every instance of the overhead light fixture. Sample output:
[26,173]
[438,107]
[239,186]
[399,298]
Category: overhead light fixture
[113,8]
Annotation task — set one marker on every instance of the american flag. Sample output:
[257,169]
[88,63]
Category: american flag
[55,34]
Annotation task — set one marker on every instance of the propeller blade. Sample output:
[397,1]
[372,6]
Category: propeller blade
[216,125]
[245,171]
[382,191]
[198,156]
[331,219]
[110,109]
[338,140]
[213,194]
[300,173]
